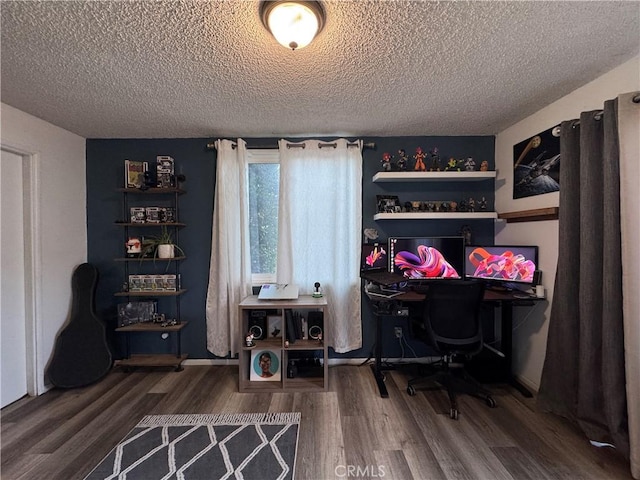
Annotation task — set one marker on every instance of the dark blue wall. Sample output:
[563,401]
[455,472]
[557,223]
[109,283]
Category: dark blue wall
[105,174]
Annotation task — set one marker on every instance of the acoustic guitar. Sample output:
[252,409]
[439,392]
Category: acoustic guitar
[81,355]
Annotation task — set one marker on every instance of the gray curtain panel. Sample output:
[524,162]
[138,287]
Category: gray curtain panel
[583,378]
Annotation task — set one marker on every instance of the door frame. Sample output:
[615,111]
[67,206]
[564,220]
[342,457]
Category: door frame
[32,264]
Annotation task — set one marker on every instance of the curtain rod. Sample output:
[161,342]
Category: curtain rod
[365,146]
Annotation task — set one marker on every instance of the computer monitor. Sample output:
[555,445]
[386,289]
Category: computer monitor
[373,257]
[504,264]
[427,258]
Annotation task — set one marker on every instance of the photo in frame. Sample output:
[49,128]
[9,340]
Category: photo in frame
[388,204]
[265,366]
[274,325]
[536,164]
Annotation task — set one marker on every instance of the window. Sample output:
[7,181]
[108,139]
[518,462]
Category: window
[263,187]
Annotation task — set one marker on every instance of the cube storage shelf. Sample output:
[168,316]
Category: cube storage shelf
[316,378]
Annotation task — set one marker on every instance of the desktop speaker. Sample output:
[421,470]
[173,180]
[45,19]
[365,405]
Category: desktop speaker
[315,324]
[258,324]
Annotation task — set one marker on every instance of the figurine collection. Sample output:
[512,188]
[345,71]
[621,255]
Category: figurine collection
[436,164]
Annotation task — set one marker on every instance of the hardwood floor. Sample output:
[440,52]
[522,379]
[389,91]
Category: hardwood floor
[346,433]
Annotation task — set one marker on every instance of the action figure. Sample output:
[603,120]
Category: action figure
[482,204]
[452,165]
[386,162]
[249,340]
[470,164]
[419,156]
[484,166]
[471,205]
[402,160]
[435,160]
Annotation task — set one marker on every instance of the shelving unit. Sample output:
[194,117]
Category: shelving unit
[168,196]
[153,360]
[317,380]
[424,177]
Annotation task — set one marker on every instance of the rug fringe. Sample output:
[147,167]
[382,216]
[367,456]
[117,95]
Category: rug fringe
[220,419]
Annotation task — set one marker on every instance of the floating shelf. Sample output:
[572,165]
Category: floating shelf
[436,216]
[433,176]
[535,215]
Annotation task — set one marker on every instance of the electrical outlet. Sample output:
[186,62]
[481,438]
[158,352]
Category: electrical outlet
[398,332]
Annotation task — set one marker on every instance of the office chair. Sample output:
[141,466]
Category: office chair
[450,324]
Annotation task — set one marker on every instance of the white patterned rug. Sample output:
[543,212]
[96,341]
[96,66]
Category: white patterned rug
[202,447]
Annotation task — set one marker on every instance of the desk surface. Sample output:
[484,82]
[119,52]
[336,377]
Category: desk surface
[489,295]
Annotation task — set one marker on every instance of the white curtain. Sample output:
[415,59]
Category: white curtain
[629,126]
[230,267]
[319,229]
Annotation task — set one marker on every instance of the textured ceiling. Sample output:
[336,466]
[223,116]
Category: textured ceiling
[150,69]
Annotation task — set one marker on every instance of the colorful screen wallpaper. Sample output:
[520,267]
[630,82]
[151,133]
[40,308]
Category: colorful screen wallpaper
[427,258]
[504,263]
[374,256]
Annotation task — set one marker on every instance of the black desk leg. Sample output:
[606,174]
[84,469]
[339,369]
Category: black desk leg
[507,347]
[376,368]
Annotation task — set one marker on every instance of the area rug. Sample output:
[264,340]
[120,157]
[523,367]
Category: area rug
[251,446]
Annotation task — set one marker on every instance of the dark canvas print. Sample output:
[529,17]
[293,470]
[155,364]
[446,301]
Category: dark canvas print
[536,164]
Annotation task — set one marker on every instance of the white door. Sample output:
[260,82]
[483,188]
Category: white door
[13,351]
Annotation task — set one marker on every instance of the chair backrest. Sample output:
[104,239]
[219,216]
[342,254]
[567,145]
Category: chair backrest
[452,315]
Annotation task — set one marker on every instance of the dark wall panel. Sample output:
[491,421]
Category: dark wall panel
[105,173]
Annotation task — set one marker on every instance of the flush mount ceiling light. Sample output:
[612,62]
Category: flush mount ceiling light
[294,24]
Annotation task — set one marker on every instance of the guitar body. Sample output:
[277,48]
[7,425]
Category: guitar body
[81,355]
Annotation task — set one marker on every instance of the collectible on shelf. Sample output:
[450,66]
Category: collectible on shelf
[484,166]
[452,165]
[462,206]
[415,206]
[471,205]
[407,206]
[134,247]
[444,207]
[435,160]
[482,204]
[453,206]
[386,161]
[402,160]
[165,170]
[419,158]
[138,214]
[469,164]
[431,207]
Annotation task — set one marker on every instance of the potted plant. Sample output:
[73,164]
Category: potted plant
[160,246]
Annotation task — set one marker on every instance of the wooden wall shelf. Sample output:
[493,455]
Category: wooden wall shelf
[535,215]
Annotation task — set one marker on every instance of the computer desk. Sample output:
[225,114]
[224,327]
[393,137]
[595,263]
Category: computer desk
[506,300]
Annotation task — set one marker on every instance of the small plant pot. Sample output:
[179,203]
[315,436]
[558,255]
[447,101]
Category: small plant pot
[166,251]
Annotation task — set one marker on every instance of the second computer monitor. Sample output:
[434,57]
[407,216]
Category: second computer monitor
[502,263]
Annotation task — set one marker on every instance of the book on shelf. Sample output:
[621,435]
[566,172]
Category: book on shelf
[134,173]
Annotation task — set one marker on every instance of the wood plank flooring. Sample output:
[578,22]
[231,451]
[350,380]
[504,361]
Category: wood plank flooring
[346,433]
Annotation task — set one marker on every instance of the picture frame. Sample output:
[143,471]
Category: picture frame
[265,366]
[388,204]
[274,326]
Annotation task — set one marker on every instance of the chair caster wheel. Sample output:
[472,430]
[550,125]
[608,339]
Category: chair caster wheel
[411,391]
[453,414]
[491,402]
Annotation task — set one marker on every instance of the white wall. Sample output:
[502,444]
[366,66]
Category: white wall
[60,205]
[531,324]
